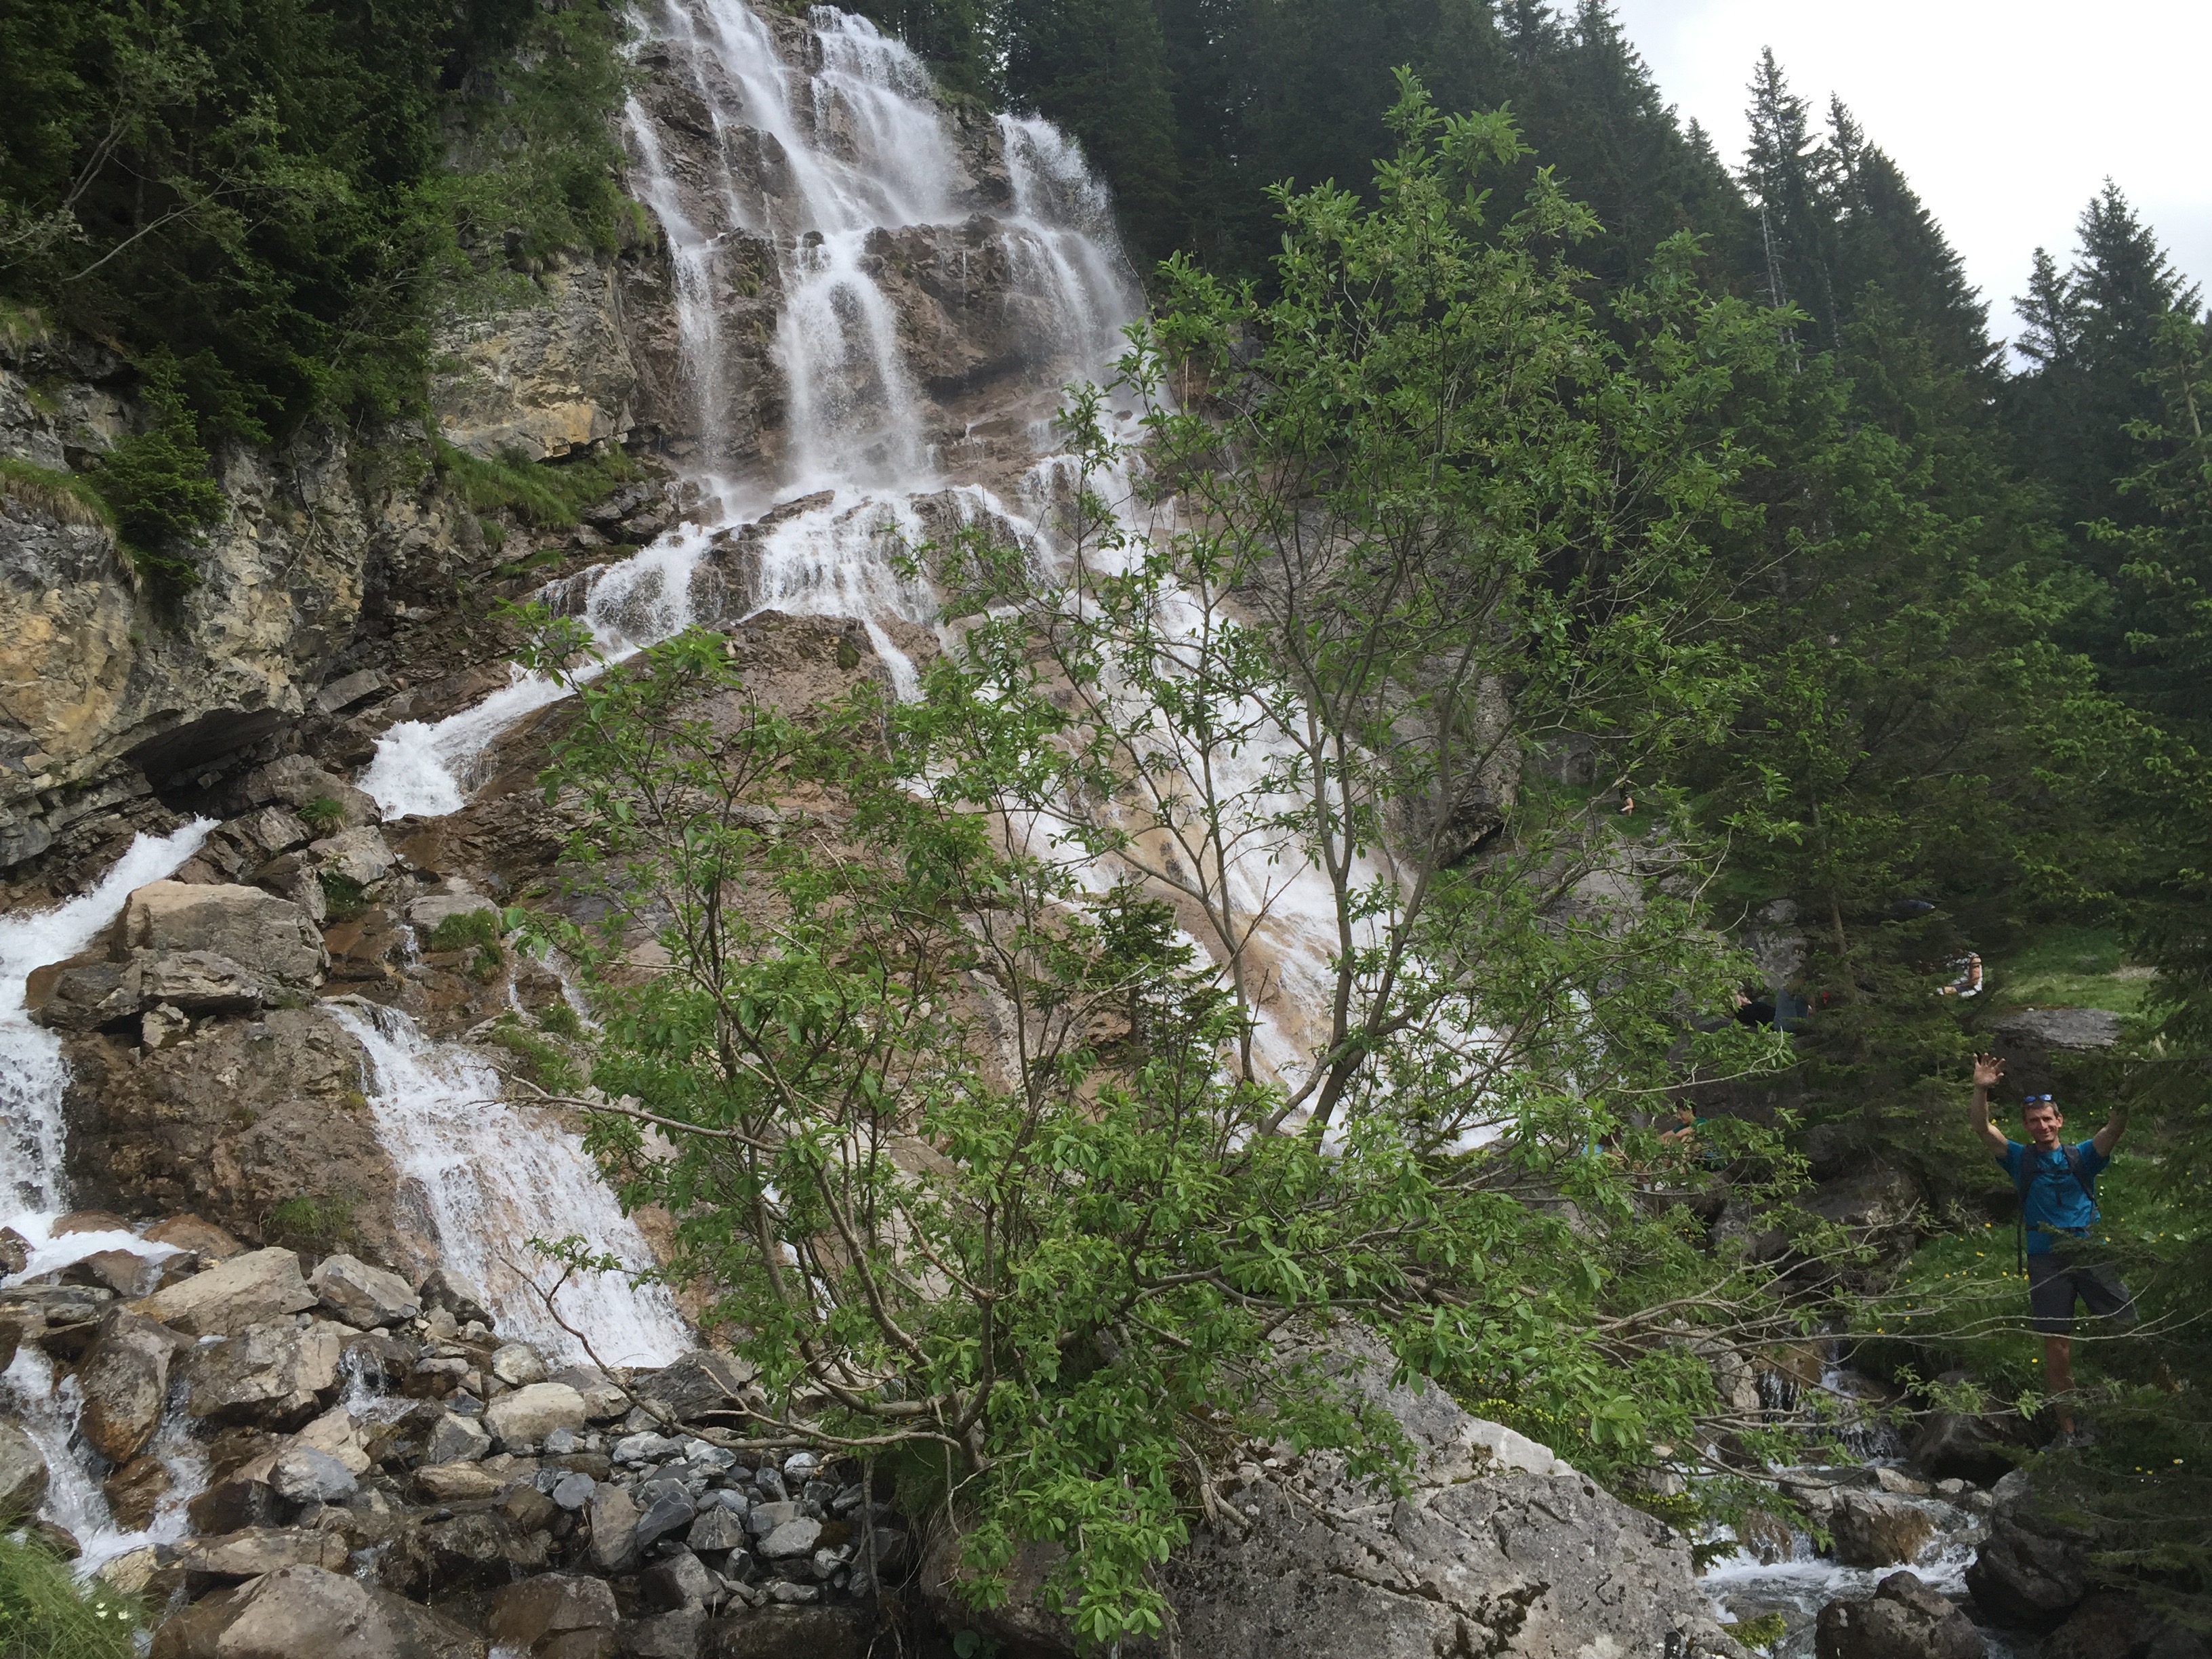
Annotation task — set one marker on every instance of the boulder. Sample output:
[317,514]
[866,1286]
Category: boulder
[268,937]
[668,1508]
[302,1474]
[126,1273]
[425,914]
[716,1531]
[273,1375]
[456,1483]
[791,1539]
[14,1253]
[555,1615]
[677,1635]
[2024,1578]
[124,1377]
[525,1417]
[480,1549]
[613,1514]
[296,781]
[2113,1625]
[203,1238]
[2079,1030]
[196,982]
[812,1633]
[456,1440]
[259,1550]
[87,996]
[362,1295]
[574,1489]
[23,1473]
[702,1381]
[360,855]
[1958,1446]
[440,1290]
[299,1612]
[518,1365]
[1903,1619]
[1874,1529]
[1497,1548]
[134,1491]
[246,1290]
[680,1580]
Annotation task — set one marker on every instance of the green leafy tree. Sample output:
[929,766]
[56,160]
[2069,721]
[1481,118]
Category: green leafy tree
[996,1175]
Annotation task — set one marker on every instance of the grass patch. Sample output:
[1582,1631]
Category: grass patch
[323,814]
[343,898]
[45,1614]
[467,927]
[548,494]
[310,1222]
[60,495]
[563,1021]
[2079,967]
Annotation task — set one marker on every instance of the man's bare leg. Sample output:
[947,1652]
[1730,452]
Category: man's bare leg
[2058,1372]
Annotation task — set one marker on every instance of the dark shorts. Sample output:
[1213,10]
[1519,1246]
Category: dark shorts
[2063,1272]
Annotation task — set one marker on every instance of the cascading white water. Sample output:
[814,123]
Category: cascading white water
[491,1176]
[33,1073]
[426,768]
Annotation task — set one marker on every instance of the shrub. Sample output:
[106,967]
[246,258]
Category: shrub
[343,897]
[156,483]
[316,1222]
[323,814]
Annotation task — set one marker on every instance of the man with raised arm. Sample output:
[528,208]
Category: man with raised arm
[2057,1188]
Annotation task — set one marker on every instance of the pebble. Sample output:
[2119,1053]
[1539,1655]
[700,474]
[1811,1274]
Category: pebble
[573,1491]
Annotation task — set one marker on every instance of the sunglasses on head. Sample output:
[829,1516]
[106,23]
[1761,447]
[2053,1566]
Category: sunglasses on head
[2039,1100]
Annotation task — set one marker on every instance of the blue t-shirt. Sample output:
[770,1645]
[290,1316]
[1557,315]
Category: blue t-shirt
[2055,1198]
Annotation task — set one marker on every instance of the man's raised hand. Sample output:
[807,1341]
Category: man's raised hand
[1988,1070]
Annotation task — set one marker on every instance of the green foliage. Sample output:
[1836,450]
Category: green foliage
[323,815]
[315,1221]
[934,1042]
[464,928]
[541,1063]
[156,483]
[562,1020]
[256,192]
[68,497]
[343,898]
[46,1614]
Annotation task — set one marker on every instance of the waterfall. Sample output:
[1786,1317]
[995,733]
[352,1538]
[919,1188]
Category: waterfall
[490,1176]
[33,1073]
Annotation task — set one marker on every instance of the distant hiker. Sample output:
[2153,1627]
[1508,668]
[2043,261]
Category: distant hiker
[1969,982]
[2057,1188]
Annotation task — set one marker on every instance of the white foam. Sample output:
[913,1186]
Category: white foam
[489,1176]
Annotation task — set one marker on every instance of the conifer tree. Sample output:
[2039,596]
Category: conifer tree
[1789,175]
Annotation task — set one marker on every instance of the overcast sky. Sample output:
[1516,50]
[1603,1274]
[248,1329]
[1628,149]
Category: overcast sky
[2006,115]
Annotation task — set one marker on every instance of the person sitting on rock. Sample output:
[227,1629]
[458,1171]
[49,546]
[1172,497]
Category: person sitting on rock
[2058,1187]
[1969,982]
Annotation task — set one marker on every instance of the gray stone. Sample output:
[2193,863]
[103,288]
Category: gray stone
[2080,1029]
[271,1374]
[765,1519]
[360,855]
[424,915]
[270,937]
[614,1528]
[668,1508]
[561,1442]
[15,1252]
[791,1594]
[457,1440]
[770,1482]
[644,1447]
[440,1290]
[23,1473]
[196,982]
[680,1580]
[518,1365]
[456,1483]
[790,1539]
[342,693]
[714,1531]
[1903,1619]
[1955,1445]
[574,1490]
[525,1417]
[362,1295]
[302,1474]
[227,1298]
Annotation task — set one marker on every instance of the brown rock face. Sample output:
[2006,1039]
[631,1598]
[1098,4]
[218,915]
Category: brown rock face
[240,1118]
[1904,1619]
[1873,1529]
[133,1490]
